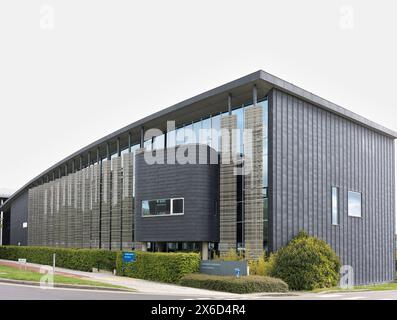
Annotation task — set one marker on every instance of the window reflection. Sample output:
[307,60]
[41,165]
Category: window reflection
[189,134]
[148,144]
[205,136]
[216,126]
[161,207]
[158,142]
[334,201]
[171,139]
[180,136]
[354,204]
[196,128]
[240,126]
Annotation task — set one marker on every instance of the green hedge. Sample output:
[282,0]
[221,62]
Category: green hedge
[76,259]
[159,266]
[247,284]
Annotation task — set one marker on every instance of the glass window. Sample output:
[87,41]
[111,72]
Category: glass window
[265,172]
[264,105]
[145,208]
[265,115]
[335,206]
[265,224]
[354,204]
[196,128]
[189,134]
[161,207]
[180,136]
[177,206]
[155,207]
[205,136]
[216,128]
[158,142]
[171,138]
[124,151]
[148,144]
[240,126]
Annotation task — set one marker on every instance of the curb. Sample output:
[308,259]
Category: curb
[63,285]
[272,294]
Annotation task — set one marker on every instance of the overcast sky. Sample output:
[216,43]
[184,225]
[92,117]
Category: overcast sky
[73,71]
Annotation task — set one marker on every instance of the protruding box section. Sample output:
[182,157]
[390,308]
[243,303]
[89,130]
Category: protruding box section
[196,182]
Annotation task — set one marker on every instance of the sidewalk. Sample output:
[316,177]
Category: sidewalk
[141,286]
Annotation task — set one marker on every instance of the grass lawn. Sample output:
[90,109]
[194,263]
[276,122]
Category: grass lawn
[12,273]
[371,287]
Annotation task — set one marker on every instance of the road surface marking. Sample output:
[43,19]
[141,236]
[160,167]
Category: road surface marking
[330,295]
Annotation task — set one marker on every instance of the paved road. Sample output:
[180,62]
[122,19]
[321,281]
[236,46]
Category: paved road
[364,295]
[26,292]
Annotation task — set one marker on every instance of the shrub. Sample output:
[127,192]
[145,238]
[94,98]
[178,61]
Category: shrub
[306,263]
[232,255]
[159,266]
[247,284]
[261,267]
[76,259]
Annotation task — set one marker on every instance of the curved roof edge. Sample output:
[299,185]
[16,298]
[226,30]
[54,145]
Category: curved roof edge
[272,81]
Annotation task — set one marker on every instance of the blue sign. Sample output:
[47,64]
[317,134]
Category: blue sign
[129,257]
[237,272]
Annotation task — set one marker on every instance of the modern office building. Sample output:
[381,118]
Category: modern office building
[244,166]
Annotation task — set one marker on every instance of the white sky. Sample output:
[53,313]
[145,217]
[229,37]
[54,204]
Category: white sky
[104,64]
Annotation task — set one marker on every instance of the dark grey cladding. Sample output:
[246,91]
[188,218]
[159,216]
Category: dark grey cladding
[196,183]
[19,210]
[311,150]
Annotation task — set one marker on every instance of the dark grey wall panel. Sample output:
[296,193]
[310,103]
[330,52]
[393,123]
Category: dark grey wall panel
[196,183]
[19,215]
[312,150]
[6,227]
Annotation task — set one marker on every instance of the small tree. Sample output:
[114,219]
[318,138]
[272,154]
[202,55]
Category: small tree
[306,263]
[263,266]
[233,255]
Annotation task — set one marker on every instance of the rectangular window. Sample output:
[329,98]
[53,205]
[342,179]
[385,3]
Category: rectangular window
[171,138]
[162,207]
[177,206]
[180,136]
[216,127]
[189,134]
[335,206]
[158,142]
[354,204]
[148,144]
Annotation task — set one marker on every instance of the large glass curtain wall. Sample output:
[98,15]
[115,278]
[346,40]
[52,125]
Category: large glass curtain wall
[183,135]
[190,133]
